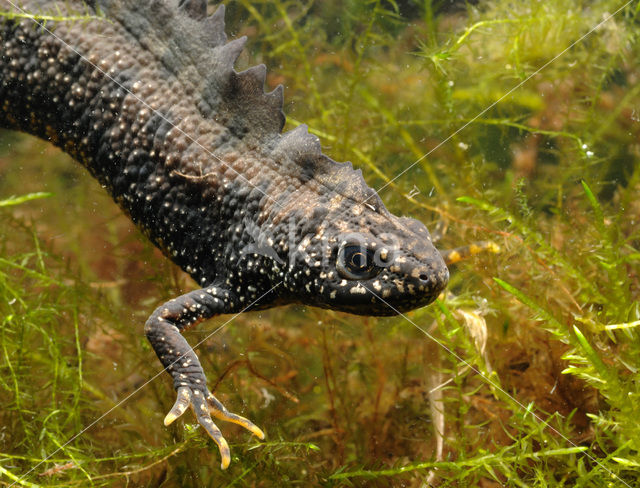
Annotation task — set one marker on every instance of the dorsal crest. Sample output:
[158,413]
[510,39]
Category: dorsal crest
[194,47]
[302,149]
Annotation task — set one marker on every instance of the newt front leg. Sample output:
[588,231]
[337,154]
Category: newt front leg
[164,331]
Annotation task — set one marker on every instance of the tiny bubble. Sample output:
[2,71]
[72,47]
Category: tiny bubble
[589,154]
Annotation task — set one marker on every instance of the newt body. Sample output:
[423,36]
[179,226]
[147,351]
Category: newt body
[149,102]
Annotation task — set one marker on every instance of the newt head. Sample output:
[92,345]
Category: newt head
[345,250]
[366,261]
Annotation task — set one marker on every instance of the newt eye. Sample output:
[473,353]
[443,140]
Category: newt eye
[356,262]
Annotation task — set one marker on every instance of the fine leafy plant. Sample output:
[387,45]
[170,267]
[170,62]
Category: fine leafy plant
[511,122]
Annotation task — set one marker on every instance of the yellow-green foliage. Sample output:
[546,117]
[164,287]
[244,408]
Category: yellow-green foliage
[515,122]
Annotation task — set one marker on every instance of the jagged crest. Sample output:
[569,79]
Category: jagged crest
[194,47]
[303,149]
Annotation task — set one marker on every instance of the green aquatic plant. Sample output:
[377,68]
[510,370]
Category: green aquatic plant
[524,374]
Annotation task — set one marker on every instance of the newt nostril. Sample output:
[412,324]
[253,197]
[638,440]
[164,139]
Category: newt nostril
[423,277]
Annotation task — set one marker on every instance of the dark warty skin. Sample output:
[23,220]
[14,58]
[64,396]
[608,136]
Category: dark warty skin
[193,152]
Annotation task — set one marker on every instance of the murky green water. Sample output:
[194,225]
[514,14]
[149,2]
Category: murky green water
[512,123]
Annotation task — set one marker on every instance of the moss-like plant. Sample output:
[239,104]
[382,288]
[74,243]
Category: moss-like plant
[515,122]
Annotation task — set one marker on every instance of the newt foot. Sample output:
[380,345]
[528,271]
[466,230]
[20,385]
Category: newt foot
[204,406]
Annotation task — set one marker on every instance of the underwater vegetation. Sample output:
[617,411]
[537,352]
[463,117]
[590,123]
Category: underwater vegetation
[511,122]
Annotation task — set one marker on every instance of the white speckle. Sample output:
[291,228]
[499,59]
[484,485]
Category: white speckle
[358,290]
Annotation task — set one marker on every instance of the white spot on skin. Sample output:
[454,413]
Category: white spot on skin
[415,272]
[358,290]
